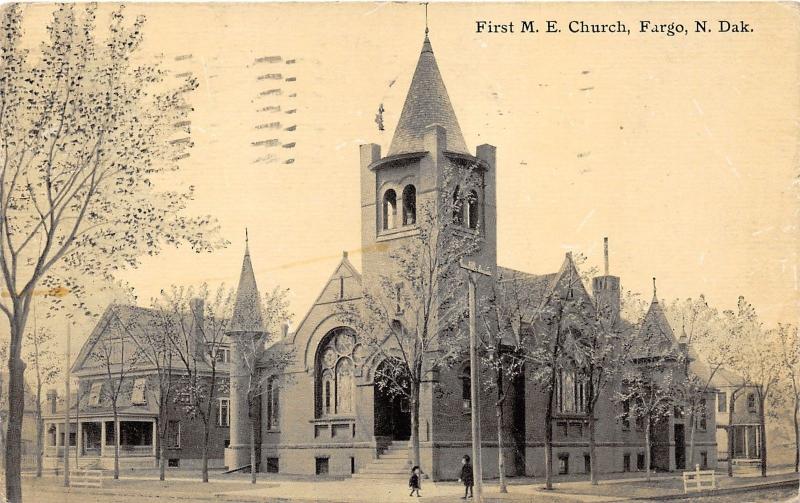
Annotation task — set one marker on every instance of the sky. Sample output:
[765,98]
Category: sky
[681,150]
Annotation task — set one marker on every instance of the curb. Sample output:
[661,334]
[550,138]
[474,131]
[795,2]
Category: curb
[730,490]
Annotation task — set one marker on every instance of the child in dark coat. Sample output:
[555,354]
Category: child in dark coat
[414,482]
[466,476]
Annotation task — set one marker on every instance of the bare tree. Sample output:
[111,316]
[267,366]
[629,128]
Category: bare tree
[650,389]
[84,135]
[148,328]
[757,360]
[263,361]
[196,336]
[603,352]
[414,316]
[503,345]
[703,329]
[118,354]
[554,333]
[789,340]
[46,368]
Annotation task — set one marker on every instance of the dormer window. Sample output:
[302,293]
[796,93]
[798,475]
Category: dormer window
[389,209]
[409,205]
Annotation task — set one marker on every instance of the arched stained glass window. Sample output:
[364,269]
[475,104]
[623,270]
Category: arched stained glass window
[337,357]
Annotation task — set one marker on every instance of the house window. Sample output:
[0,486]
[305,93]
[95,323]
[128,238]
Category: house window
[472,210]
[224,413]
[751,402]
[703,459]
[409,205]
[321,466]
[94,394]
[626,462]
[570,392]
[702,422]
[587,463]
[173,440]
[223,354]
[273,404]
[173,463]
[722,401]
[389,209]
[138,396]
[626,415]
[466,388]
[336,360]
[273,465]
[563,463]
[640,461]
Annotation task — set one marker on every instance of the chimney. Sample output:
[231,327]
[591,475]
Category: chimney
[52,399]
[606,290]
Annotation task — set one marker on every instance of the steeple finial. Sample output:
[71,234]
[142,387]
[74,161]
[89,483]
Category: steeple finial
[655,297]
[246,242]
[426,18]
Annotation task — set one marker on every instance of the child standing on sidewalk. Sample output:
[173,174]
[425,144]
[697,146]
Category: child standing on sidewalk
[466,476]
[414,482]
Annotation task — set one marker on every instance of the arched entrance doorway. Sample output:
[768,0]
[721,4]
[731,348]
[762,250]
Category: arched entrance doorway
[392,411]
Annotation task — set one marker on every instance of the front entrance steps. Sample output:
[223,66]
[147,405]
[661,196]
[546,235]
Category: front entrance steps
[391,464]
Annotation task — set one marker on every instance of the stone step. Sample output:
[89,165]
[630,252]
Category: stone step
[394,455]
[381,476]
[405,465]
[384,460]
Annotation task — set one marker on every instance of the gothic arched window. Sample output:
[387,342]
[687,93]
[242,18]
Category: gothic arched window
[337,357]
[389,209]
[273,404]
[472,210]
[458,207]
[409,205]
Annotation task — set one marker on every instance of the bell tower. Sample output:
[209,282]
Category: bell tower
[426,149]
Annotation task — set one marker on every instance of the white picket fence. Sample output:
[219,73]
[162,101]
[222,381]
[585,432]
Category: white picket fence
[699,480]
[85,478]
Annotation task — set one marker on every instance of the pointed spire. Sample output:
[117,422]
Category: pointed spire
[247,309]
[655,296]
[427,103]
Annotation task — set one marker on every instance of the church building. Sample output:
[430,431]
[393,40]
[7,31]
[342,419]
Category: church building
[326,415]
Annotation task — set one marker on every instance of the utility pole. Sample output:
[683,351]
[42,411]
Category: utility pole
[473,270]
[66,411]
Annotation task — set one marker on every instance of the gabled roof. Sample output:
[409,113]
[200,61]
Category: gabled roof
[426,103]
[247,315]
[544,288]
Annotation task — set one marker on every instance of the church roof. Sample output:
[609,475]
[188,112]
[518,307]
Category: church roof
[426,103]
[247,315]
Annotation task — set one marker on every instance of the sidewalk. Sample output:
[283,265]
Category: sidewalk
[621,489]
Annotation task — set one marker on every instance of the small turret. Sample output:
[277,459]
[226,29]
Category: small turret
[245,326]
